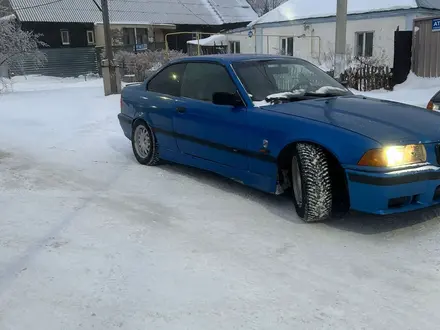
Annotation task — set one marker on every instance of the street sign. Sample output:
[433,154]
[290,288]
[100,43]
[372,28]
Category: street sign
[436,24]
[141,46]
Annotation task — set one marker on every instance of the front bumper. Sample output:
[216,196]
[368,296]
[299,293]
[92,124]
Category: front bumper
[394,191]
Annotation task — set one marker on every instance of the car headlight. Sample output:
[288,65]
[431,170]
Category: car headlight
[394,156]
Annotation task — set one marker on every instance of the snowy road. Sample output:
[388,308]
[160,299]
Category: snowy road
[91,239]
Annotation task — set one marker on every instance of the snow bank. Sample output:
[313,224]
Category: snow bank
[415,91]
[301,9]
[39,82]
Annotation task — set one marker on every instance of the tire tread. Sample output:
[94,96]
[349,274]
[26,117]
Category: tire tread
[317,179]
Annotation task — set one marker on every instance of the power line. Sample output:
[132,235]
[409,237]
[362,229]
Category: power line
[98,6]
[192,12]
[40,5]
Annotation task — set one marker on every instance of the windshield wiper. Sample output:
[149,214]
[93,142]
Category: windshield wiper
[286,97]
[328,94]
[292,96]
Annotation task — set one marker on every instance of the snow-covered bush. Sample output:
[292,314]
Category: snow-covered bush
[16,44]
[361,73]
[5,85]
[327,59]
[142,64]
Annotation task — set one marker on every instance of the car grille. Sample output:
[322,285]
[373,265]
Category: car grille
[437,153]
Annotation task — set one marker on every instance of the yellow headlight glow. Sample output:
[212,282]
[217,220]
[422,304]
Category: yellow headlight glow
[394,156]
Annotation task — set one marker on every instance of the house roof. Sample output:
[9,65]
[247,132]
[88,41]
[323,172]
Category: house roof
[197,12]
[303,9]
[216,39]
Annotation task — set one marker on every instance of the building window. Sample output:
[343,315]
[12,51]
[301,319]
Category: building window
[128,36]
[234,47]
[90,37]
[65,38]
[364,44]
[141,36]
[138,36]
[287,46]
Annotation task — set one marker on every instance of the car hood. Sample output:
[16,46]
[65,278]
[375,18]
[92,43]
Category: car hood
[383,121]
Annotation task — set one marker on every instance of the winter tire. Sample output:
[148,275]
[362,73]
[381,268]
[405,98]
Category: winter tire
[311,183]
[144,144]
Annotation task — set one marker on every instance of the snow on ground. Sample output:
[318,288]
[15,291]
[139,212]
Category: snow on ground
[91,239]
[415,91]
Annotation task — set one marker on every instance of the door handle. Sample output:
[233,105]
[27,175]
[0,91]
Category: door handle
[181,109]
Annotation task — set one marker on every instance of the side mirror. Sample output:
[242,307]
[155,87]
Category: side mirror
[222,98]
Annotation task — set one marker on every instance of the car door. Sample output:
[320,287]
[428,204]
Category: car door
[205,130]
[158,103]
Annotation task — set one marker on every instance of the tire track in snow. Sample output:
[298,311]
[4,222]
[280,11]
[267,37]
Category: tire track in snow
[13,269]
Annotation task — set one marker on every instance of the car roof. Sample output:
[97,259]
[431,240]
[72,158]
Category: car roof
[229,58]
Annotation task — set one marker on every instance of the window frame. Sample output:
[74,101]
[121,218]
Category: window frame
[143,32]
[63,42]
[233,47]
[228,73]
[128,33]
[364,42]
[90,33]
[286,40]
[162,70]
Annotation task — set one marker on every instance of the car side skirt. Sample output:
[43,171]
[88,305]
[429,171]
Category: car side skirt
[257,181]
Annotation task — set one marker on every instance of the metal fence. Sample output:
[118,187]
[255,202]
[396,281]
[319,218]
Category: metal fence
[426,47]
[61,62]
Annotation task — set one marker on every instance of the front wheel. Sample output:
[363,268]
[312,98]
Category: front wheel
[311,183]
[144,144]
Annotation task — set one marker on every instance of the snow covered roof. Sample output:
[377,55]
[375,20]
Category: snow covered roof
[197,12]
[303,9]
[216,39]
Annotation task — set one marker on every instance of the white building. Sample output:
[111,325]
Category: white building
[237,41]
[306,28]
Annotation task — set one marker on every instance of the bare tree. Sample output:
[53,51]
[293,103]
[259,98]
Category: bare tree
[264,6]
[16,44]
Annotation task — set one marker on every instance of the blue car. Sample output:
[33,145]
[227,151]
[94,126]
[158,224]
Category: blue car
[280,124]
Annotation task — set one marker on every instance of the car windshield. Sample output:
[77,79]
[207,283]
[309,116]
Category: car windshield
[275,77]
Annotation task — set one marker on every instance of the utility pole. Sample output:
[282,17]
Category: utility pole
[340,38]
[108,47]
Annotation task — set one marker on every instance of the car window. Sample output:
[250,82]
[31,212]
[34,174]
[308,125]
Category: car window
[202,80]
[168,81]
[290,76]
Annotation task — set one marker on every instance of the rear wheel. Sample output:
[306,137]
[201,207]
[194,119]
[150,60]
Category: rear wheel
[311,183]
[144,144]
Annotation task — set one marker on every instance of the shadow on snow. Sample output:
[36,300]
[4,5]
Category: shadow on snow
[282,206]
